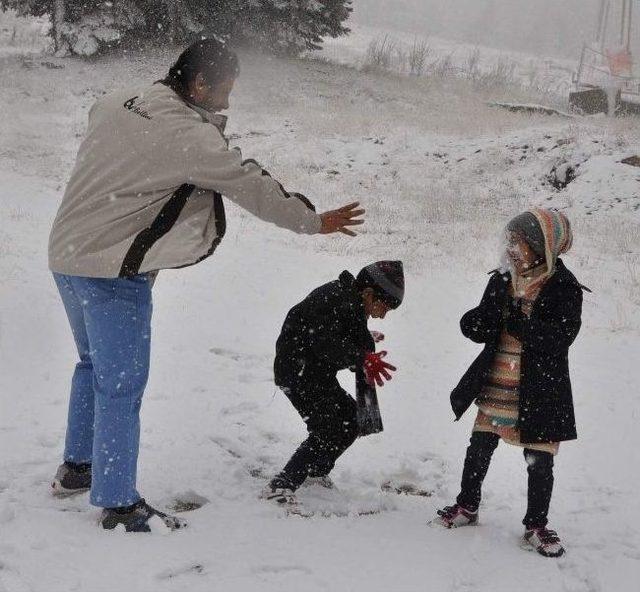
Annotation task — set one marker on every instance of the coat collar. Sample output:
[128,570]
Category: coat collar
[347,280]
[219,121]
[559,276]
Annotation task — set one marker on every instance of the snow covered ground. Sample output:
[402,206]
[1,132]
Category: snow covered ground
[20,35]
[439,172]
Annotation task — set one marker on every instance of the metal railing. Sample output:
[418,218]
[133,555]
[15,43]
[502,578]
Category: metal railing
[593,72]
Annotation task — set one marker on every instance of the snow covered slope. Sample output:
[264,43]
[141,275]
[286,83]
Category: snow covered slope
[439,172]
[546,75]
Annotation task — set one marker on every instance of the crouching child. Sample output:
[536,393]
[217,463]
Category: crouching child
[325,333]
[528,317]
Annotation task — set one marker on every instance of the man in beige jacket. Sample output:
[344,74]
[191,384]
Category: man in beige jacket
[146,193]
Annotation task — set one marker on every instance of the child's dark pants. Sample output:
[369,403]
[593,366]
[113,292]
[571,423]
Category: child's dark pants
[539,468]
[331,418]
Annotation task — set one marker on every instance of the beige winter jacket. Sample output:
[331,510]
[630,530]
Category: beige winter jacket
[145,192]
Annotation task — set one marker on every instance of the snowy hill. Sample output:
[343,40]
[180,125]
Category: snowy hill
[439,172]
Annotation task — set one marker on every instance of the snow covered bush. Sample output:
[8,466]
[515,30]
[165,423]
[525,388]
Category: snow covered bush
[380,53]
[88,35]
[386,53]
[82,27]
[418,53]
[86,27]
[23,35]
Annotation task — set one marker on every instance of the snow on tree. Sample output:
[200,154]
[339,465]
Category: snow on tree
[294,25]
[86,27]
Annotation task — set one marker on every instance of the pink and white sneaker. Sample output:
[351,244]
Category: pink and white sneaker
[455,516]
[544,541]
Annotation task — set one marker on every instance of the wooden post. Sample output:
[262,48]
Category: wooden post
[599,31]
[629,15]
[605,25]
[59,13]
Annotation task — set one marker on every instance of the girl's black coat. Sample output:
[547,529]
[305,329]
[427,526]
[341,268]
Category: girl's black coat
[546,404]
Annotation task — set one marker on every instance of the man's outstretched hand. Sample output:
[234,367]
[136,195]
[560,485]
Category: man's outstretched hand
[339,220]
[376,369]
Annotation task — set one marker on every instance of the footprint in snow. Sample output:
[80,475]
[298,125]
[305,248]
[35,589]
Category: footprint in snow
[170,574]
[280,570]
[228,446]
[240,409]
[236,356]
[186,501]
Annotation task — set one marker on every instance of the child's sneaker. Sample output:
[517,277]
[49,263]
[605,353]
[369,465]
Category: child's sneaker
[279,495]
[135,518]
[544,541]
[455,516]
[71,478]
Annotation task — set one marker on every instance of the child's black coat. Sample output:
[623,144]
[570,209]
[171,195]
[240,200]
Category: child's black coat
[546,404]
[323,334]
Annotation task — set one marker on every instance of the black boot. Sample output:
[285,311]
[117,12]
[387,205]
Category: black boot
[71,478]
[135,518]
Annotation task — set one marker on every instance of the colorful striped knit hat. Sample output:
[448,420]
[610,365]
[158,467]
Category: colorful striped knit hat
[558,236]
[547,231]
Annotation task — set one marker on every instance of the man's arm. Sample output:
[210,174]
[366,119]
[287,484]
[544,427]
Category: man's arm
[211,165]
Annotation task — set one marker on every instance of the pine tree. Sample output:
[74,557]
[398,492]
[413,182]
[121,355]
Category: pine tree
[89,26]
[295,25]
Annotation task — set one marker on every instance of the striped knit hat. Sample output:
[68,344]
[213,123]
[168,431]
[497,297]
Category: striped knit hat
[548,232]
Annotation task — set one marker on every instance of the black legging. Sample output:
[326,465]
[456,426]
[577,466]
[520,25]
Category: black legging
[539,468]
[331,418]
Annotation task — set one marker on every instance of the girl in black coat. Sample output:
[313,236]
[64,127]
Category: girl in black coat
[527,319]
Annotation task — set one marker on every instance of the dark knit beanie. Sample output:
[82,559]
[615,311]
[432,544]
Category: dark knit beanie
[527,225]
[386,278]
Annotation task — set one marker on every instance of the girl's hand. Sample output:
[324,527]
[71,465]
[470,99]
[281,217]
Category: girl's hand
[377,336]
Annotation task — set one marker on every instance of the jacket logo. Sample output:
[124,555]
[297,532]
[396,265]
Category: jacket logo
[131,106]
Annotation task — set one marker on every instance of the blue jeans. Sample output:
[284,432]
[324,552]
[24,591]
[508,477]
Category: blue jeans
[111,323]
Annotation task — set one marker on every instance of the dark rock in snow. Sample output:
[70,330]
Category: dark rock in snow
[632,160]
[52,66]
[561,175]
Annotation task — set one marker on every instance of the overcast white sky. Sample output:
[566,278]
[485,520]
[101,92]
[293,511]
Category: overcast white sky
[547,27]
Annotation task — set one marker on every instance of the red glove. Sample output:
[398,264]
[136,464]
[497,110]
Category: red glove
[375,368]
